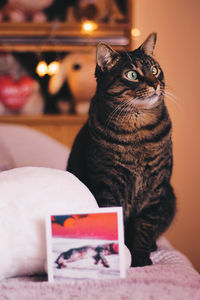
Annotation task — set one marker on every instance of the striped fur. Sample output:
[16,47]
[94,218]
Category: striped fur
[124,151]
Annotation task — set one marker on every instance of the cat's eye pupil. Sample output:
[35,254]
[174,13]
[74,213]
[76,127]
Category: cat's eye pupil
[132,75]
[154,70]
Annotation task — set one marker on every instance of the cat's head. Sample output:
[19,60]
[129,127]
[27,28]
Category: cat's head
[135,75]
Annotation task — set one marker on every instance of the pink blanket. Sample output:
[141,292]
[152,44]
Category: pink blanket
[170,277]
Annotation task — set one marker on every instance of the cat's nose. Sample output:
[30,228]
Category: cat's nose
[151,81]
[154,84]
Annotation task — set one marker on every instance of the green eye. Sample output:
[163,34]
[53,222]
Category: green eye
[132,75]
[154,70]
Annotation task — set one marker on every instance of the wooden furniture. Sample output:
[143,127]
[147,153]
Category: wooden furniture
[64,36]
[59,36]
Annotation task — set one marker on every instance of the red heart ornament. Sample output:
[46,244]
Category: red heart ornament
[14,94]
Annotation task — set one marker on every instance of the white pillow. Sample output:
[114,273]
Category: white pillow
[26,195]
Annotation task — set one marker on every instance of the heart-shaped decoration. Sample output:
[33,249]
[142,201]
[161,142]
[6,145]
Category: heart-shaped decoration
[14,94]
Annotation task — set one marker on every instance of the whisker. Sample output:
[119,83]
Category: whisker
[129,109]
[114,113]
[123,108]
[170,93]
[173,98]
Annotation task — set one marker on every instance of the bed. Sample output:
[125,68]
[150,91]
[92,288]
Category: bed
[171,277]
[25,151]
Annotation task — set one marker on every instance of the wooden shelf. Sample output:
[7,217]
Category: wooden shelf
[53,29]
[58,36]
[63,36]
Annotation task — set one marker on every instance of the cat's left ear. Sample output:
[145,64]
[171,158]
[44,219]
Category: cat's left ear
[149,44]
[106,56]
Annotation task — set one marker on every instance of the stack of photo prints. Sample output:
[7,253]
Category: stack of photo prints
[87,245]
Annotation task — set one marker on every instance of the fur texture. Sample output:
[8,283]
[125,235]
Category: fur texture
[124,151]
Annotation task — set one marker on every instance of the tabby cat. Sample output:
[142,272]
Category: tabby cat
[124,151]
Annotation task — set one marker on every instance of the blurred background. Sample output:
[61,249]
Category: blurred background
[55,31]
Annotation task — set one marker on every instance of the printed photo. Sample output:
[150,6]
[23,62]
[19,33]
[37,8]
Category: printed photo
[85,245]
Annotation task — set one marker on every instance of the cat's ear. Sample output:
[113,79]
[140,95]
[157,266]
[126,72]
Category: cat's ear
[149,44]
[106,56]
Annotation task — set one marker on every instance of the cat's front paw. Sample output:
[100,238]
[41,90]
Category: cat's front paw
[140,259]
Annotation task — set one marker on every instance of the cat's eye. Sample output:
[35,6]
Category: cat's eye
[154,70]
[132,75]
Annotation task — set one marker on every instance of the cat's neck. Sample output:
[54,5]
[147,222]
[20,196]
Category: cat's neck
[125,117]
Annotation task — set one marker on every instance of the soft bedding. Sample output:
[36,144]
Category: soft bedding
[170,277]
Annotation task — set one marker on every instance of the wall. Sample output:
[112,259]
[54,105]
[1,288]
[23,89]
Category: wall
[178,51]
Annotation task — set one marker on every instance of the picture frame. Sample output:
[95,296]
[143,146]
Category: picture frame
[85,245]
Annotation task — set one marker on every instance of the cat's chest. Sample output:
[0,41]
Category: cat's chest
[121,148]
[134,157]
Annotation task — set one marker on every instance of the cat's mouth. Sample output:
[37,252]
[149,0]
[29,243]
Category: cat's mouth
[152,99]
[147,101]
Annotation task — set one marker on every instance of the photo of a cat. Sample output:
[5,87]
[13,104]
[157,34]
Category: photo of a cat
[85,246]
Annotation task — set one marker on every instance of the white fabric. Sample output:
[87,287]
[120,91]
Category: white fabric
[29,147]
[27,194]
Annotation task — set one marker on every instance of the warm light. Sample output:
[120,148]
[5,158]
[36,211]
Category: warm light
[41,68]
[53,68]
[135,32]
[89,26]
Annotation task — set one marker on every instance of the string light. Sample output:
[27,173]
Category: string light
[135,32]
[43,69]
[89,26]
[53,68]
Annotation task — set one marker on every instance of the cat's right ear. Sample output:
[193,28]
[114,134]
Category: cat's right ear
[106,56]
[149,44]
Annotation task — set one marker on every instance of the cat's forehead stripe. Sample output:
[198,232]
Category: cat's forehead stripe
[139,61]
[137,66]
